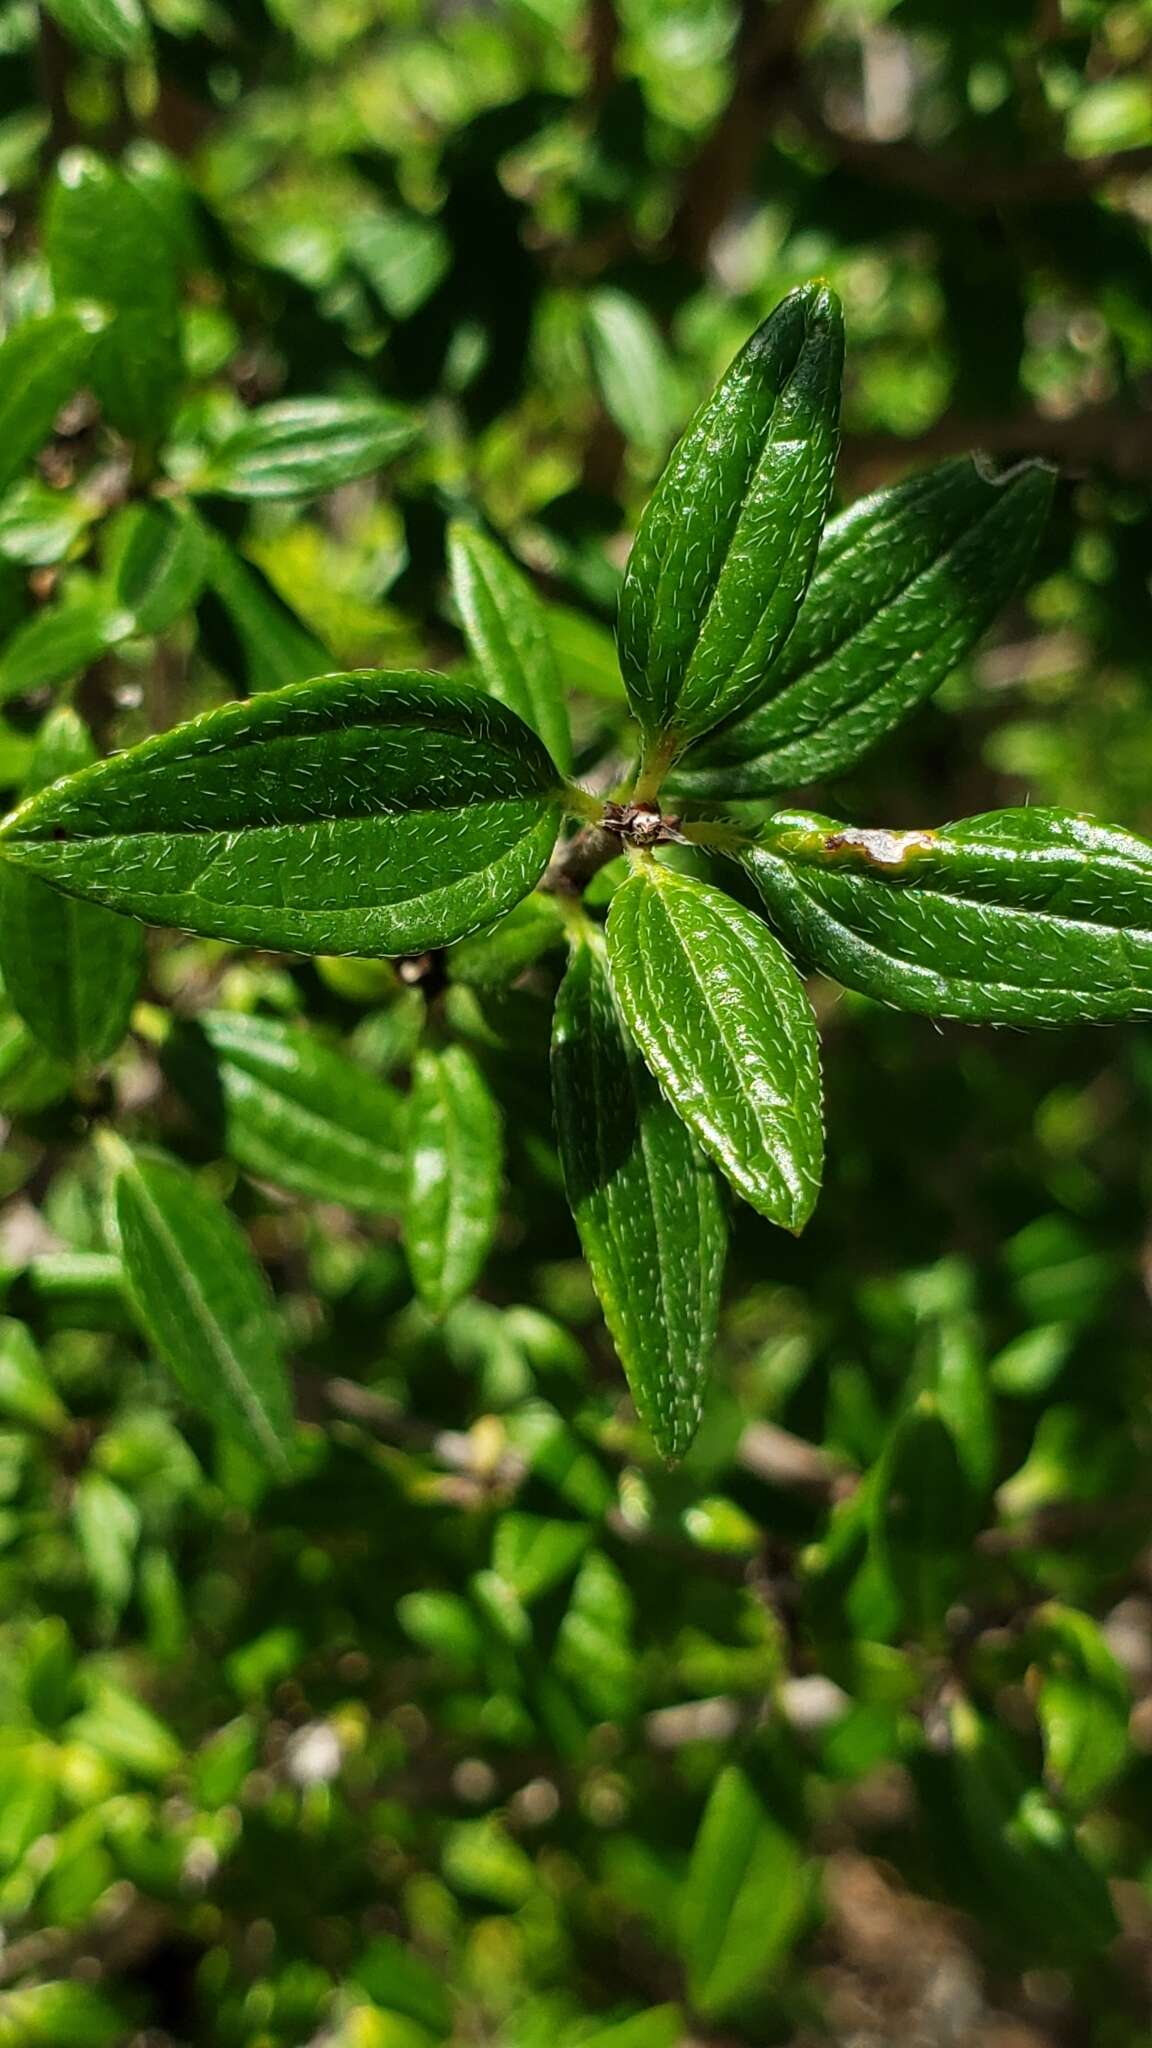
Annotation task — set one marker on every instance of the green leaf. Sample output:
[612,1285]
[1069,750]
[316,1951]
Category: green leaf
[60,2014]
[1037,1874]
[302,445]
[27,1395]
[1014,917]
[507,632]
[359,813]
[724,551]
[201,1299]
[272,648]
[533,1553]
[1083,1702]
[40,526]
[717,1009]
[646,1205]
[923,1516]
[70,969]
[109,28]
[62,642]
[745,1898]
[30,1077]
[498,955]
[41,364]
[402,255]
[452,1202]
[159,563]
[905,584]
[104,241]
[291,1110]
[631,366]
[108,1531]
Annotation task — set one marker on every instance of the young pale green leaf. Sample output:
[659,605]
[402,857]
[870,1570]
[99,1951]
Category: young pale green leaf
[201,1299]
[722,1019]
[109,28]
[745,1898]
[1083,1702]
[1038,1875]
[905,584]
[265,645]
[724,551]
[302,445]
[105,242]
[1013,917]
[631,366]
[452,1192]
[291,1110]
[27,1395]
[39,526]
[507,632]
[70,969]
[359,813]
[646,1204]
[41,364]
[63,641]
[159,565]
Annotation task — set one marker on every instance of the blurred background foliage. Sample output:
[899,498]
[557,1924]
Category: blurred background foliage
[483,1727]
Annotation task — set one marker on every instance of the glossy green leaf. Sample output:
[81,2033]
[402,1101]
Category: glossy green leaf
[290,1109]
[453,1180]
[745,1898]
[1026,1849]
[646,1204]
[105,242]
[302,445]
[359,813]
[1083,1702]
[726,546]
[201,1299]
[631,366]
[905,584]
[71,969]
[723,1021]
[42,363]
[159,565]
[109,28]
[62,641]
[1016,917]
[507,632]
[267,646]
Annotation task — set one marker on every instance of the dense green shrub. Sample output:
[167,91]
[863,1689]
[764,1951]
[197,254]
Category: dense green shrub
[382,1665]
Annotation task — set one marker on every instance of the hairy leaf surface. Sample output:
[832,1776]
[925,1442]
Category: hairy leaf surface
[1013,917]
[905,583]
[452,1198]
[723,1021]
[726,545]
[359,813]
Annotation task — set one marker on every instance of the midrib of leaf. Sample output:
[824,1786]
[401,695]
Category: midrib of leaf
[217,1337]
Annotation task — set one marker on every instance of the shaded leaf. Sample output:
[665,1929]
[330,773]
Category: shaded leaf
[507,632]
[646,1204]
[453,1180]
[302,445]
[41,364]
[201,1299]
[745,1898]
